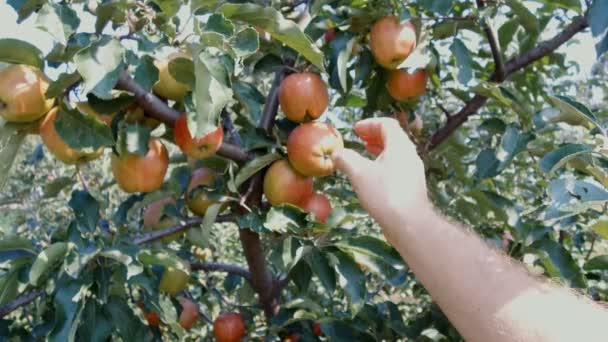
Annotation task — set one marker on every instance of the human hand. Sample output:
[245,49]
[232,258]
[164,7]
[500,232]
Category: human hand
[391,188]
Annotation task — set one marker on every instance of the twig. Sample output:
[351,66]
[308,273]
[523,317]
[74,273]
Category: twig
[81,178]
[180,227]
[221,267]
[229,126]
[20,301]
[591,248]
[448,115]
[513,65]
[499,67]
[157,109]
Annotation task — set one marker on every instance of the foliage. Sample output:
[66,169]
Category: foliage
[528,171]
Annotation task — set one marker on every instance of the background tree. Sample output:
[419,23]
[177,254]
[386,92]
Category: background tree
[129,219]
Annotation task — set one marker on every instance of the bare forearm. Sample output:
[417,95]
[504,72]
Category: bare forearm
[485,294]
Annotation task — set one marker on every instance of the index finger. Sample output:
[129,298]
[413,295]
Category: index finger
[378,132]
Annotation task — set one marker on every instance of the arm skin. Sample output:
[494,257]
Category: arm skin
[485,294]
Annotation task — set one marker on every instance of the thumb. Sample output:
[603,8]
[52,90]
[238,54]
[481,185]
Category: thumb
[351,162]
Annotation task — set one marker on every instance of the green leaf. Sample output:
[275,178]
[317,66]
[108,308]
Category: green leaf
[163,258]
[555,159]
[506,33]
[252,167]
[46,261]
[133,266]
[377,255]
[16,250]
[284,218]
[526,18]
[146,73]
[96,325]
[574,5]
[64,81]
[558,262]
[250,98]
[100,65]
[81,131]
[245,42]
[182,70]
[601,228]
[211,93]
[25,7]
[437,6]
[60,21]
[9,284]
[219,24]
[77,259]
[69,304]
[320,265]
[574,111]
[352,281]
[487,164]
[464,61]
[203,4]
[86,210]
[16,51]
[53,188]
[273,22]
[599,25]
[10,141]
[132,138]
[597,263]
[129,327]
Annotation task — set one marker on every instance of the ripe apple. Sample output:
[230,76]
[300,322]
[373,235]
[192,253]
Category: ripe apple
[22,93]
[150,316]
[402,85]
[303,96]
[174,280]
[86,108]
[310,146]
[283,184]
[392,42]
[189,314]
[154,219]
[197,148]
[329,35]
[137,173]
[316,329]
[229,327]
[58,147]
[319,205]
[167,86]
[197,201]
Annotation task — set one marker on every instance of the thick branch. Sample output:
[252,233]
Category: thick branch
[157,109]
[272,102]
[261,279]
[513,65]
[229,126]
[216,266]
[19,302]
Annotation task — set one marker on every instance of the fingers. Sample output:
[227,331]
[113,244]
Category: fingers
[378,133]
[381,134]
[351,163]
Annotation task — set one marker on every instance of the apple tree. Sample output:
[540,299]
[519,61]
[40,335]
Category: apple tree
[166,167]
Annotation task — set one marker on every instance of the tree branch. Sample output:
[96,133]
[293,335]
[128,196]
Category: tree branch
[20,301]
[180,227]
[216,266]
[229,126]
[157,109]
[261,279]
[513,65]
